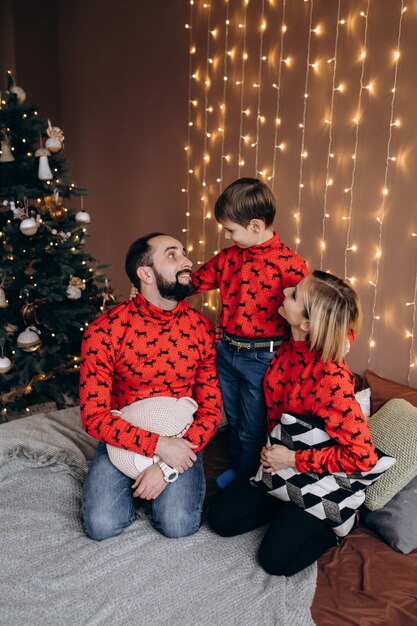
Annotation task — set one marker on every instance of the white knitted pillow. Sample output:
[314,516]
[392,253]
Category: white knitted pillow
[170,417]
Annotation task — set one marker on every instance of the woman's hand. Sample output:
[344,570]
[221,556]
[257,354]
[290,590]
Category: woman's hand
[276,458]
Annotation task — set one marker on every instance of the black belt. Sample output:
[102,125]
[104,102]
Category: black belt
[240,344]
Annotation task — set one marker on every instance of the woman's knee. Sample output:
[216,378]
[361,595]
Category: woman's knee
[278,565]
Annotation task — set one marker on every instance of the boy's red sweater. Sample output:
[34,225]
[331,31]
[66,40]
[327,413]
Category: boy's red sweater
[251,283]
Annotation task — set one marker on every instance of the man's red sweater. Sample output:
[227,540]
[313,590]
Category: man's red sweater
[251,283]
[299,381]
[136,350]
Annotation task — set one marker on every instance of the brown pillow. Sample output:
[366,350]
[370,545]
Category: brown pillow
[383,390]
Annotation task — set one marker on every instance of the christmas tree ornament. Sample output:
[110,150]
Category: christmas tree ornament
[6,155]
[5,365]
[108,297]
[14,89]
[44,171]
[75,288]
[73,293]
[82,217]
[29,339]
[3,301]
[55,141]
[29,226]
[28,312]
[10,328]
[58,213]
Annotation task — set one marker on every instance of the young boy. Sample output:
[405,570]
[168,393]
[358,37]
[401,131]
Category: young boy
[251,276]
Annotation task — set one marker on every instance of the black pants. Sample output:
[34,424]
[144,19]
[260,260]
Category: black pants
[294,539]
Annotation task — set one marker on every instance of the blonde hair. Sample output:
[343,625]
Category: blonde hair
[333,309]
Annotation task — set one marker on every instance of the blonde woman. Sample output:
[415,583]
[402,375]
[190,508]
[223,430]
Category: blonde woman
[307,376]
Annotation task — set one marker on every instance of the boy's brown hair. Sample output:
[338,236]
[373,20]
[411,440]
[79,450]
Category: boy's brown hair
[244,200]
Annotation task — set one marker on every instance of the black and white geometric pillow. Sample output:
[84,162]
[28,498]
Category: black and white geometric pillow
[333,498]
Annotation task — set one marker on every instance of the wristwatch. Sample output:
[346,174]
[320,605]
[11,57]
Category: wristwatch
[170,473]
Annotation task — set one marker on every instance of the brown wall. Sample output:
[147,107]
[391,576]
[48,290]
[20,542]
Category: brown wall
[116,76]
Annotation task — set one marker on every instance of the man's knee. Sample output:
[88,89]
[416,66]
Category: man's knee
[181,524]
[100,527]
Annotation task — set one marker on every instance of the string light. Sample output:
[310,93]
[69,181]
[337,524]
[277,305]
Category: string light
[277,107]
[354,163]
[259,117]
[385,188]
[238,57]
[413,325]
[329,181]
[246,112]
[304,153]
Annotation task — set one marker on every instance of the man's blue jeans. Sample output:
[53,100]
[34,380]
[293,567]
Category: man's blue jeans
[109,507]
[241,376]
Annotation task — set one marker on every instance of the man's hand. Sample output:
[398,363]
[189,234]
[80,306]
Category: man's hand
[177,453]
[150,483]
[276,458]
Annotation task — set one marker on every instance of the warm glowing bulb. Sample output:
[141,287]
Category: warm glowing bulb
[287,61]
[323,245]
[362,55]
[372,344]
[396,55]
[340,88]
[396,123]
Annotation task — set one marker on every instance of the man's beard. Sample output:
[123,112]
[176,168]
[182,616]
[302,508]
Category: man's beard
[175,290]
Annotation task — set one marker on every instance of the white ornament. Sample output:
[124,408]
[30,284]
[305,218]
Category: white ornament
[73,293]
[29,226]
[44,171]
[53,144]
[19,92]
[55,141]
[29,339]
[3,302]
[5,364]
[6,154]
[82,217]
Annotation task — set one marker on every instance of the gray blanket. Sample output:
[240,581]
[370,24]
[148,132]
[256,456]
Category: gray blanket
[52,574]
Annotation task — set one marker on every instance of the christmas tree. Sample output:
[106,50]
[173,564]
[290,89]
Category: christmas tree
[50,289]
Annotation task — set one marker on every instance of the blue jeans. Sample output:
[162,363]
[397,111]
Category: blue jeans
[241,376]
[109,507]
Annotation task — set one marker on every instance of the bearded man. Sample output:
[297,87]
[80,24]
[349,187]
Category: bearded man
[153,345]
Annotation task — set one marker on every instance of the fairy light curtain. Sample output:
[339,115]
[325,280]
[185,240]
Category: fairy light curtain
[317,98]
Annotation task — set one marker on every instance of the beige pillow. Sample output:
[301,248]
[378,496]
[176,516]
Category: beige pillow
[394,431]
[170,417]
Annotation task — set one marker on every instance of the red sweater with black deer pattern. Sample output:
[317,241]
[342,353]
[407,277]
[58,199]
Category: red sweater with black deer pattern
[251,283]
[297,380]
[137,350]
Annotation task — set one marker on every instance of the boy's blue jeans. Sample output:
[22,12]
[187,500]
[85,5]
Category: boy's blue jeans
[109,507]
[241,376]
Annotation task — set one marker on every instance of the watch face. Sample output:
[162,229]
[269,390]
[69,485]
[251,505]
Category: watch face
[172,476]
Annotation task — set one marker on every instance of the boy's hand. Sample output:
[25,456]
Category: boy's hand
[218,334]
[133,293]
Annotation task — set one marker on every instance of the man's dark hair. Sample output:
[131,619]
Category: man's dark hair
[244,200]
[139,253]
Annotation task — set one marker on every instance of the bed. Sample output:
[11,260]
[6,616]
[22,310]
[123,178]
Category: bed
[55,575]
